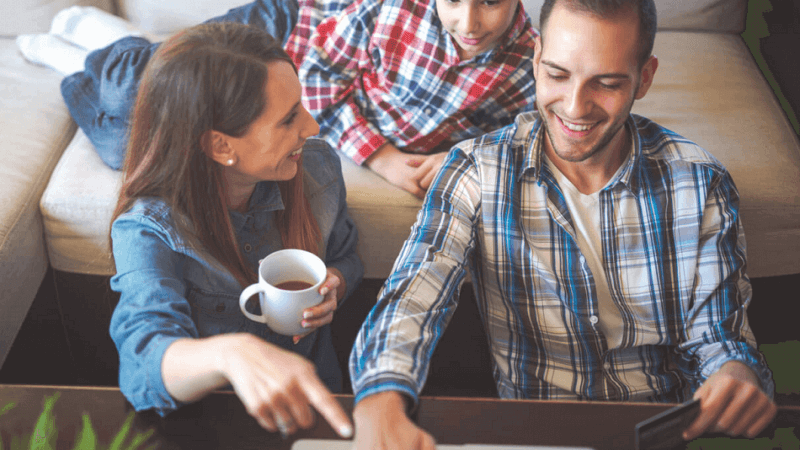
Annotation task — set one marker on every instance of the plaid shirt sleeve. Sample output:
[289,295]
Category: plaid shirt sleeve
[330,72]
[393,349]
[717,329]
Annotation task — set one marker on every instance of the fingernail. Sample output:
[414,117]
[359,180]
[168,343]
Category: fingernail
[346,431]
[324,290]
[304,324]
[296,340]
[306,315]
[283,429]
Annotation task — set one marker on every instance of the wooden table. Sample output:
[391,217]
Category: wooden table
[219,421]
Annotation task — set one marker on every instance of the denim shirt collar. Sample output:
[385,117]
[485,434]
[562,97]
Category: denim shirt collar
[265,199]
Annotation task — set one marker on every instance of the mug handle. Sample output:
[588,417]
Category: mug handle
[248,292]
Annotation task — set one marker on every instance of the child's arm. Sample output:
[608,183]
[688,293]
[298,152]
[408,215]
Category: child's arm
[331,64]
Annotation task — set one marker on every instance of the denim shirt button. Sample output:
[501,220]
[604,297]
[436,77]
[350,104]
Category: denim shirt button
[247,248]
[220,307]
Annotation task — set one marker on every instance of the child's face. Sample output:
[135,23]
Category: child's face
[476,25]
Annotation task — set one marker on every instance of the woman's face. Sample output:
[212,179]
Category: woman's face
[271,147]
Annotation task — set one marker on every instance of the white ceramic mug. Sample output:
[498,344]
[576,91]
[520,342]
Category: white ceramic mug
[282,306]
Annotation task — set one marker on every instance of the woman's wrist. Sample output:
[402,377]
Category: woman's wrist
[191,368]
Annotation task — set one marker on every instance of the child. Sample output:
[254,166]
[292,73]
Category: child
[391,82]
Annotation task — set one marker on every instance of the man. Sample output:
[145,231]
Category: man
[606,252]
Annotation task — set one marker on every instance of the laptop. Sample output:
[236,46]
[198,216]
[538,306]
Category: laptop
[332,444]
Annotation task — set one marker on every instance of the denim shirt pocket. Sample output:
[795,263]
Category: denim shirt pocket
[215,313]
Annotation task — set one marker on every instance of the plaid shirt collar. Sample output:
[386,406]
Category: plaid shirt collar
[533,164]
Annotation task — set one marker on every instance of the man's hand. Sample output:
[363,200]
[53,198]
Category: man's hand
[412,173]
[382,424]
[731,402]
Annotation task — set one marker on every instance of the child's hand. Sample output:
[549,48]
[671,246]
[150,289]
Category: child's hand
[427,169]
[322,314]
[412,173]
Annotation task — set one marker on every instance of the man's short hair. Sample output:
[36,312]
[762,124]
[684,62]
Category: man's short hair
[645,9]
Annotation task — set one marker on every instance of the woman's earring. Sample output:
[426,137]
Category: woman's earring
[231,161]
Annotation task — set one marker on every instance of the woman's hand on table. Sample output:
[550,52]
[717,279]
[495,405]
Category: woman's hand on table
[382,424]
[278,387]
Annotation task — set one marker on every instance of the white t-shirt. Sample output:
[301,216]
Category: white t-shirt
[585,211]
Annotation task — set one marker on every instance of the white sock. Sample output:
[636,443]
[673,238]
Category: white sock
[52,52]
[90,27]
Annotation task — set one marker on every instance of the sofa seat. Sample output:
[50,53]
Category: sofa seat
[729,110]
[77,207]
[80,199]
[709,89]
[30,99]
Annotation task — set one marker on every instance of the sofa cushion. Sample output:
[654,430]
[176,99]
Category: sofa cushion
[730,111]
[708,89]
[707,15]
[36,129]
[80,198]
[34,16]
[77,207]
[159,17]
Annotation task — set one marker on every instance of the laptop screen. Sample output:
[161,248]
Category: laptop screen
[331,444]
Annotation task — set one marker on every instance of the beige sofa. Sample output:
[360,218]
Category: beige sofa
[707,88]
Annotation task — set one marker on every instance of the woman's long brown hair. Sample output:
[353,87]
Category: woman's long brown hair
[208,77]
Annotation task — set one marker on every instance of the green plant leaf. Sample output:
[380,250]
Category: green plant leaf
[44,432]
[87,439]
[116,443]
[7,408]
[139,440]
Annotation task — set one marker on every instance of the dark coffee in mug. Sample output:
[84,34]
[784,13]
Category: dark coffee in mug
[293,285]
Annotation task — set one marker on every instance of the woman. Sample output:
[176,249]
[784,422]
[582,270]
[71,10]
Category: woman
[213,182]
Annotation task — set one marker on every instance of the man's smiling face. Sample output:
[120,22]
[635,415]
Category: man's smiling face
[587,78]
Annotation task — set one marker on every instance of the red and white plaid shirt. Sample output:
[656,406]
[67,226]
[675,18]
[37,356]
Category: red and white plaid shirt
[378,70]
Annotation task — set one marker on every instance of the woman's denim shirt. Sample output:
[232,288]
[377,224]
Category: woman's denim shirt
[170,291]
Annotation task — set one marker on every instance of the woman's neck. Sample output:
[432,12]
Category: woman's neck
[239,196]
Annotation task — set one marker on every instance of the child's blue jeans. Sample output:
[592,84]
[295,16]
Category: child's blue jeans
[101,97]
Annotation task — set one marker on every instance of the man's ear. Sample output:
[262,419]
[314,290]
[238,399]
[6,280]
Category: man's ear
[537,55]
[646,76]
[215,145]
